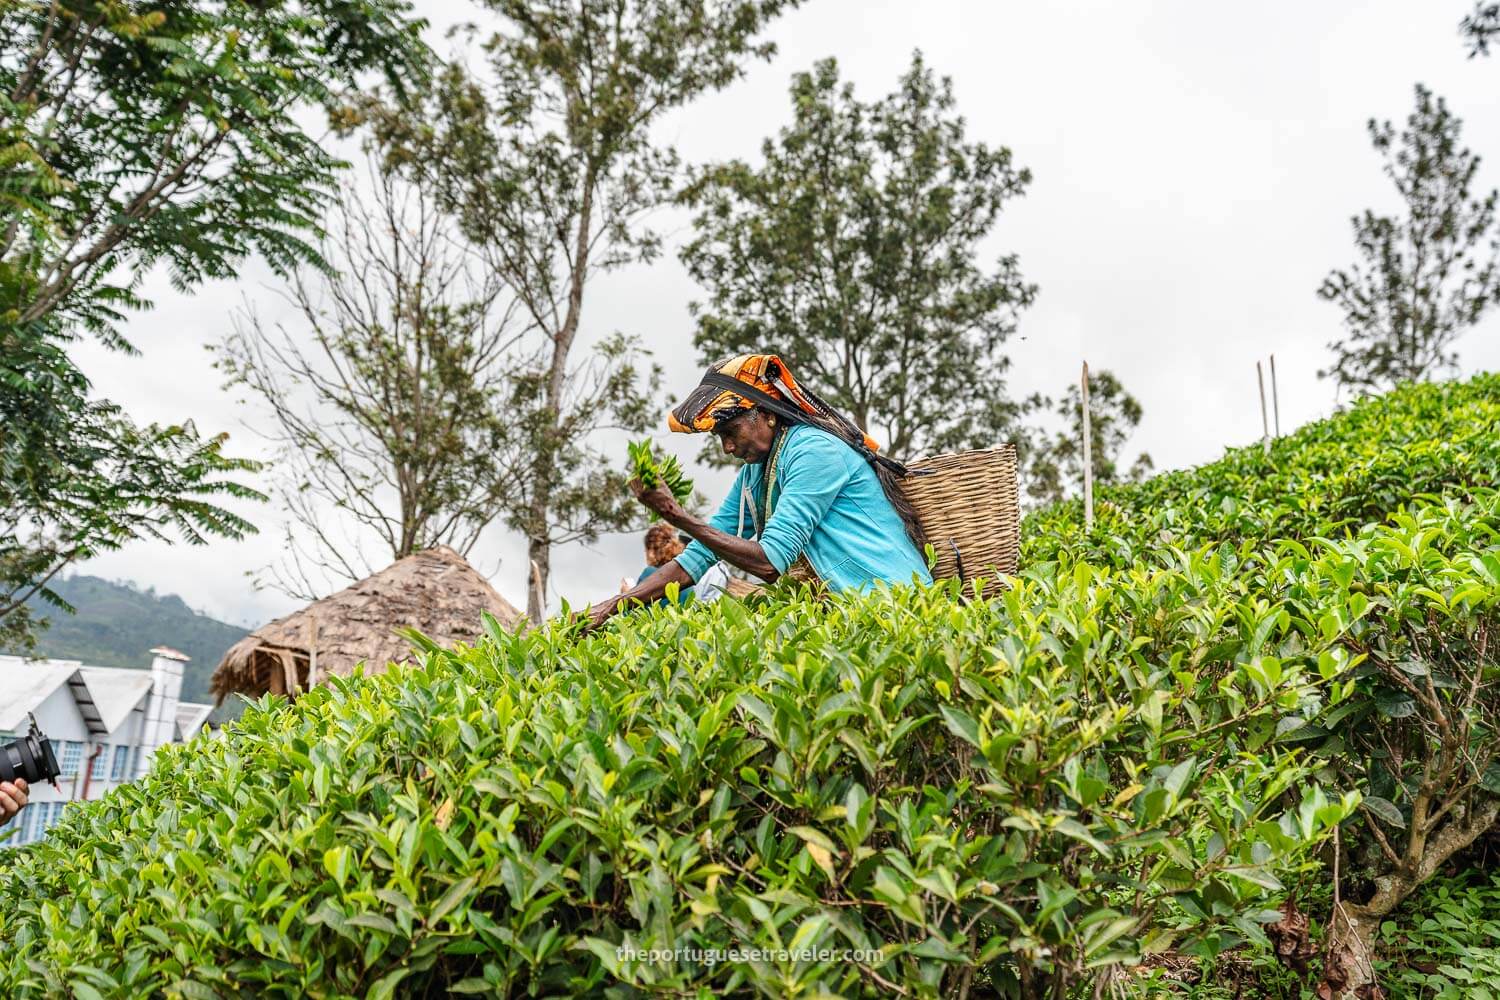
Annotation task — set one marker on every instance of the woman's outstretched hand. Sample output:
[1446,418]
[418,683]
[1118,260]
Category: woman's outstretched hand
[596,616]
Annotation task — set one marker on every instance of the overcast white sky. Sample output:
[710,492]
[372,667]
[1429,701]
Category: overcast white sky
[1195,169]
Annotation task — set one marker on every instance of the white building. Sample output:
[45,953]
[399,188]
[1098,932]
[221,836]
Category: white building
[104,723]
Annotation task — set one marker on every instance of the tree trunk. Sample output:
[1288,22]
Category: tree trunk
[539,548]
[539,551]
[1348,969]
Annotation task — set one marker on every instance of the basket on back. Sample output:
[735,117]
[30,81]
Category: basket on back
[969,505]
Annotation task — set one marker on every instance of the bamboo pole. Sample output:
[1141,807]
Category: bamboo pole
[1265,422]
[1275,397]
[288,673]
[276,676]
[1088,456]
[312,651]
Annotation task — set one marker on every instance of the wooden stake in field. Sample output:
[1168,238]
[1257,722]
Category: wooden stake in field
[312,651]
[1265,422]
[1275,398]
[1088,456]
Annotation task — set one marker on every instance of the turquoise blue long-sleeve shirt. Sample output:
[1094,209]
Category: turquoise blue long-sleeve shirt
[828,506]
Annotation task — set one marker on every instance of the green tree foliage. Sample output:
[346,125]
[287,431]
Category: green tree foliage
[1480,27]
[134,137]
[548,163]
[386,391]
[77,478]
[852,251]
[1422,278]
[1054,465]
[115,117]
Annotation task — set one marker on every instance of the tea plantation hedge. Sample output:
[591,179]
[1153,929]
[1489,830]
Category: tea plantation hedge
[899,793]
[1325,479]
[1420,737]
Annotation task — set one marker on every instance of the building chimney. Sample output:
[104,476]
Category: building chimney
[161,706]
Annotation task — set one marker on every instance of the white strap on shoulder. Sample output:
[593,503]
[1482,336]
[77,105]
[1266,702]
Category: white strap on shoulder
[748,501]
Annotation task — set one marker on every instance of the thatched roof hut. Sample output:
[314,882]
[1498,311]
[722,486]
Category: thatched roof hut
[433,591]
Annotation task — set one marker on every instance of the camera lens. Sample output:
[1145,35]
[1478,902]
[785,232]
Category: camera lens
[28,757]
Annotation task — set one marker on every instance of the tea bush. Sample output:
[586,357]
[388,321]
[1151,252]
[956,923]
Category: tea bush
[1419,735]
[1006,793]
[1324,479]
[1011,797]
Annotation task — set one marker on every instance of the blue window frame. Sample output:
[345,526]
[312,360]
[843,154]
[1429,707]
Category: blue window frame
[100,768]
[122,761]
[71,756]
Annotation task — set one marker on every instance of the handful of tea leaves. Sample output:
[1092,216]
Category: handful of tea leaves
[651,474]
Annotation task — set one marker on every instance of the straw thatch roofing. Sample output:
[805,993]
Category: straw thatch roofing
[433,591]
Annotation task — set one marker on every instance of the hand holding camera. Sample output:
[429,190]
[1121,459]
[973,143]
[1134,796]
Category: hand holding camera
[12,798]
[24,762]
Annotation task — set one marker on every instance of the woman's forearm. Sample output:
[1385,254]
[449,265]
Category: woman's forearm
[655,585]
[648,590]
[745,553]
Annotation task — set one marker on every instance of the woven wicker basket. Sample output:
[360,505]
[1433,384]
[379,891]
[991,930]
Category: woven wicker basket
[969,505]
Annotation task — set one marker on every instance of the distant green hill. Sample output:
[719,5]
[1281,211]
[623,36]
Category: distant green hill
[116,626]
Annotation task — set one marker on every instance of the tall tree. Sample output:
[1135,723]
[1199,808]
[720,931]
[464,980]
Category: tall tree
[77,478]
[549,168]
[853,250]
[1425,277]
[1480,27]
[1054,465]
[136,136]
[385,392]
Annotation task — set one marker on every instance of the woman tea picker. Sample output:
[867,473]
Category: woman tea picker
[811,486]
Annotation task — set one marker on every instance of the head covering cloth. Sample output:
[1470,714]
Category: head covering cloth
[735,385]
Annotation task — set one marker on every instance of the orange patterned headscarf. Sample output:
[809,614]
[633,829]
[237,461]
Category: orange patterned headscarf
[714,401]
